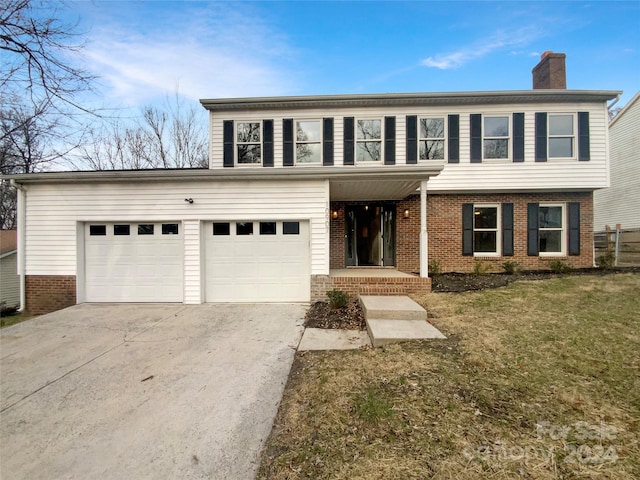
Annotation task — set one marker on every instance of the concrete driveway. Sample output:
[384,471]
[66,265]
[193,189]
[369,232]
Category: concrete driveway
[143,391]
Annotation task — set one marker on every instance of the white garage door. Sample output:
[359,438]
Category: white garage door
[133,262]
[257,261]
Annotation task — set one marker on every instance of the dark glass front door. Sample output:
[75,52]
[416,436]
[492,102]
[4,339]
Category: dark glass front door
[370,235]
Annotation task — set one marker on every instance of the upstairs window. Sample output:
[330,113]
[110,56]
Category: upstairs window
[431,138]
[248,143]
[561,136]
[369,141]
[308,141]
[495,137]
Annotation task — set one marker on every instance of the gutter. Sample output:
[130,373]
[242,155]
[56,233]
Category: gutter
[386,172]
[22,217]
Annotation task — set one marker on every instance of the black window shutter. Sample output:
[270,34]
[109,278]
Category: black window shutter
[327,141]
[454,139]
[389,140]
[518,137]
[541,137]
[507,229]
[574,228]
[349,131]
[287,134]
[227,143]
[532,229]
[467,229]
[412,139]
[584,151]
[476,137]
[267,143]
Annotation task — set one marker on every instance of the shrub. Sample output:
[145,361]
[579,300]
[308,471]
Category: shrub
[337,298]
[511,267]
[6,310]
[606,261]
[558,266]
[481,268]
[434,268]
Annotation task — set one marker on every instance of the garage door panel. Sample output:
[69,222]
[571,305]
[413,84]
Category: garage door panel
[258,267]
[134,268]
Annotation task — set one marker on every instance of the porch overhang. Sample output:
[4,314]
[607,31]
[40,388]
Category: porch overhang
[380,183]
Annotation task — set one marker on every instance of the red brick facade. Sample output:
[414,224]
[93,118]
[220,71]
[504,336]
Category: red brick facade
[48,293]
[444,227]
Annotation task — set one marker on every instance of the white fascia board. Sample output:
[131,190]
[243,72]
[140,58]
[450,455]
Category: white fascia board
[390,172]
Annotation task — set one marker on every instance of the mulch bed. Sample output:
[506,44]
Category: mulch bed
[462,282]
[321,315]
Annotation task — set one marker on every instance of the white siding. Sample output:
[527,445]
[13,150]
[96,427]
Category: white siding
[528,175]
[192,256]
[9,280]
[54,210]
[620,203]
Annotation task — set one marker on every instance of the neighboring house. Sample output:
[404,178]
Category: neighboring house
[619,203]
[306,194]
[9,279]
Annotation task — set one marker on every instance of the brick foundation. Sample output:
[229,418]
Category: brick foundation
[321,284]
[48,293]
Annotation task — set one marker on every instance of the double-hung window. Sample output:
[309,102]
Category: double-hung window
[369,140]
[308,142]
[561,135]
[551,229]
[486,228]
[248,143]
[431,136]
[495,143]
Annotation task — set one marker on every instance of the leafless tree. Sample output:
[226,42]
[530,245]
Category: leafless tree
[36,49]
[173,137]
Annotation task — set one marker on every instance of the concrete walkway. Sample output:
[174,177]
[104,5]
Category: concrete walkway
[143,391]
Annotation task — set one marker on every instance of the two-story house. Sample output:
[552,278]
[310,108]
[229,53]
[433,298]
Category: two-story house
[306,194]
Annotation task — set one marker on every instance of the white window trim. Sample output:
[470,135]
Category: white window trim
[573,136]
[563,237]
[356,141]
[444,138]
[236,143]
[509,138]
[296,142]
[498,230]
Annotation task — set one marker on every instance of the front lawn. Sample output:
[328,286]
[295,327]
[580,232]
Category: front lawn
[537,380]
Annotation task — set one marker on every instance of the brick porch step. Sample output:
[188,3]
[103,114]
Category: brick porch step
[392,319]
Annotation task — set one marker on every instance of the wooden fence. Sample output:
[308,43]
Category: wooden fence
[623,244]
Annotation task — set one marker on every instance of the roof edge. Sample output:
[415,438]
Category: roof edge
[429,98]
[391,172]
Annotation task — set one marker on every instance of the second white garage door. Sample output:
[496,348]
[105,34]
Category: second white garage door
[264,261]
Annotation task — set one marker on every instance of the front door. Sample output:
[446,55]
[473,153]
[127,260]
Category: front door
[370,235]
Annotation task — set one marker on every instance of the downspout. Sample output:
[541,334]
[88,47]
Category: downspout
[21,217]
[612,104]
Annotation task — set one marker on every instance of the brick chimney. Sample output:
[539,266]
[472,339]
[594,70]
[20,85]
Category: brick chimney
[550,73]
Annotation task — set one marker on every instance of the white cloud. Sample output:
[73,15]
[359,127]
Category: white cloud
[503,39]
[213,54]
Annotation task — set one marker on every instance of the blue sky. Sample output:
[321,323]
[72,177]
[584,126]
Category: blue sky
[144,51]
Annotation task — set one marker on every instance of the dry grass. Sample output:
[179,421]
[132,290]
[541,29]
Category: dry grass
[503,397]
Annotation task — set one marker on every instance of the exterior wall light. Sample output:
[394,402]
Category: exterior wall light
[407,213]
[334,214]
